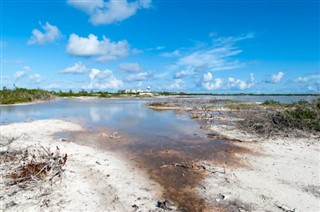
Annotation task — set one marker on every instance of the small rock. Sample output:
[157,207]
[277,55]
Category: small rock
[163,205]
[135,207]
[11,204]
[63,139]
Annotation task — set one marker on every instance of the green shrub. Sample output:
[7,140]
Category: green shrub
[271,102]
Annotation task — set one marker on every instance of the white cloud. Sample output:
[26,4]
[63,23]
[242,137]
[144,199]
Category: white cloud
[276,77]
[241,84]
[130,67]
[229,83]
[237,83]
[104,50]
[214,85]
[51,33]
[215,59]
[36,78]
[251,77]
[315,87]
[103,80]
[180,74]
[207,77]
[175,53]
[307,78]
[19,74]
[178,84]
[77,68]
[138,77]
[223,41]
[108,12]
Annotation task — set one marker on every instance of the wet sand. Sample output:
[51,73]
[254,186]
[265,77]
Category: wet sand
[159,159]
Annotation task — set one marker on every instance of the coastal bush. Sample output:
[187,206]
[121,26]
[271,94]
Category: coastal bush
[21,95]
[271,102]
[301,116]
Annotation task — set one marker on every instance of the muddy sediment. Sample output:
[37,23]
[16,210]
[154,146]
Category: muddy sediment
[178,165]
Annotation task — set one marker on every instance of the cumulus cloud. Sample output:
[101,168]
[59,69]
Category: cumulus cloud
[142,76]
[216,84]
[22,73]
[50,34]
[103,50]
[276,77]
[36,78]
[103,80]
[130,67]
[178,84]
[237,83]
[77,68]
[108,12]
[207,77]
[230,83]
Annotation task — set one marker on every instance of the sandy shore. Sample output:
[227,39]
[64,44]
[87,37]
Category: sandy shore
[283,176]
[94,180]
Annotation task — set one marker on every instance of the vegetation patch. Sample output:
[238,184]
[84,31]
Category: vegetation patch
[301,116]
[21,95]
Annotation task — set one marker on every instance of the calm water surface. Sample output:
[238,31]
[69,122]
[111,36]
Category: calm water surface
[129,115]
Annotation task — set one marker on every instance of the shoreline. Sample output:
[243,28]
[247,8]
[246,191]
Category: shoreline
[27,103]
[282,172]
[283,176]
[94,180]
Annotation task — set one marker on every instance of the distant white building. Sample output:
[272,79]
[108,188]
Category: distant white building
[140,91]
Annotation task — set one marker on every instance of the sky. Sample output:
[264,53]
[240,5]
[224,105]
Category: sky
[199,46]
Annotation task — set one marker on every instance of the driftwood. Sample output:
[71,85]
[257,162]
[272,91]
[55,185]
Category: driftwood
[284,208]
[32,165]
[5,142]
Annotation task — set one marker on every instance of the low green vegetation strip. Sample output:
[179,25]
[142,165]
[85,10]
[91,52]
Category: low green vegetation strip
[22,95]
[276,118]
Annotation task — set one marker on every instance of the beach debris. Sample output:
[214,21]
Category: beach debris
[115,135]
[63,139]
[135,206]
[6,141]
[221,197]
[164,205]
[34,169]
[284,208]
[32,166]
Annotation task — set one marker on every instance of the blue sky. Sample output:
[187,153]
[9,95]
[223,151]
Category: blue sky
[184,46]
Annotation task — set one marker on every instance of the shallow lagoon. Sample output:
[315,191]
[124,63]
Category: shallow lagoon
[151,138]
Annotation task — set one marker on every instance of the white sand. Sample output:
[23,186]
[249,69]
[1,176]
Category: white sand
[112,184]
[285,173]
